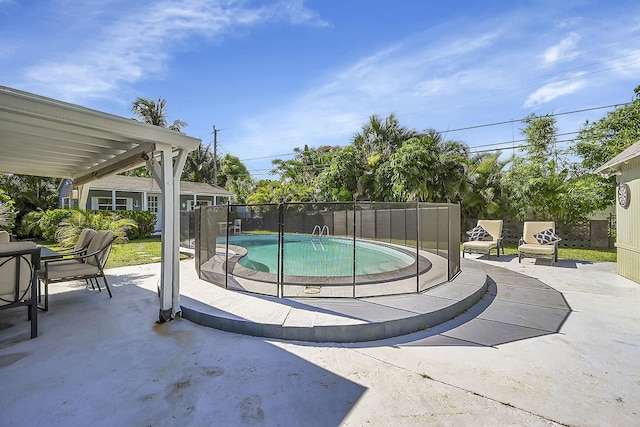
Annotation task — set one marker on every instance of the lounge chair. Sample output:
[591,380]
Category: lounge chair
[19,263]
[484,237]
[539,241]
[4,237]
[88,266]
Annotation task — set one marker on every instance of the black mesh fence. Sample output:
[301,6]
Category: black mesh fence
[341,250]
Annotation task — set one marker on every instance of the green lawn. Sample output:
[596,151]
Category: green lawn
[136,252]
[608,255]
[145,251]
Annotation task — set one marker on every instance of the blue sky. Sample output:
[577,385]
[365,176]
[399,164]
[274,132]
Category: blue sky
[275,75]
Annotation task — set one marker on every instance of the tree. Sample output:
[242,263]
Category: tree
[154,113]
[429,168]
[339,181]
[235,177]
[541,184]
[600,141]
[200,165]
[376,142]
[484,196]
[29,193]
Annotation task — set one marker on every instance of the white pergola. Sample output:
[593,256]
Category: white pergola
[46,137]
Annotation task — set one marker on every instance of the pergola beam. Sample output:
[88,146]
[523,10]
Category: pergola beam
[46,137]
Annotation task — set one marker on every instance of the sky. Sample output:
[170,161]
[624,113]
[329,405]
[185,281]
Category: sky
[274,75]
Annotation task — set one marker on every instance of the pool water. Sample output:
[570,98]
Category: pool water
[325,257]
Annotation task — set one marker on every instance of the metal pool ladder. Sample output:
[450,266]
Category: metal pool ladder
[318,233]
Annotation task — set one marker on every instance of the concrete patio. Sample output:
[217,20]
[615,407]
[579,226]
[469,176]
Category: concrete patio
[102,361]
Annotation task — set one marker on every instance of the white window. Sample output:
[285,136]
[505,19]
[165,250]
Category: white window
[191,206]
[152,204]
[104,203]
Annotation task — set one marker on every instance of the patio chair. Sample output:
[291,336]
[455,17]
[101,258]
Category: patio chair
[80,248]
[237,226]
[539,241]
[484,237]
[19,263]
[89,266]
[4,237]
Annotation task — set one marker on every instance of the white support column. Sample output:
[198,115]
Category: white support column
[113,200]
[165,178]
[83,196]
[178,166]
[168,173]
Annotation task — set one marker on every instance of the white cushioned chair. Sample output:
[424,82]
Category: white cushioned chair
[19,263]
[87,266]
[4,237]
[493,241]
[80,248]
[530,247]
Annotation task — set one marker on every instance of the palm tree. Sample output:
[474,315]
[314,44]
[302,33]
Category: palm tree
[154,113]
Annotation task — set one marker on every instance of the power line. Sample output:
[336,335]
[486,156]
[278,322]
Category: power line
[519,120]
[475,127]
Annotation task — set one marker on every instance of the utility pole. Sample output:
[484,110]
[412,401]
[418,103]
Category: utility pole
[215,155]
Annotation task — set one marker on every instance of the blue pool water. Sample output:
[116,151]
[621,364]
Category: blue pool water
[325,257]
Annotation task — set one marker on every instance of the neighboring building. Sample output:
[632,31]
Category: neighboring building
[118,192]
[626,168]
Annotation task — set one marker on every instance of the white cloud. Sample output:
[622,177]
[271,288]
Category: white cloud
[138,43]
[408,77]
[563,51]
[553,90]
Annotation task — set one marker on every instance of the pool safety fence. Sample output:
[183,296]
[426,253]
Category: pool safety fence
[343,250]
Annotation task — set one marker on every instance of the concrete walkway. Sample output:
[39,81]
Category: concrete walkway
[101,361]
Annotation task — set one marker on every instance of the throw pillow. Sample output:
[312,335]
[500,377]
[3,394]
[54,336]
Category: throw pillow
[547,237]
[478,233]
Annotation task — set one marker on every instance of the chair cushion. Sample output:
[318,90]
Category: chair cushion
[547,237]
[478,233]
[71,268]
[536,249]
[8,272]
[480,245]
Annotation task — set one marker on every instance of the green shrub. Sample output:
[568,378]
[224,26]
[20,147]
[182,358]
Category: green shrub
[7,212]
[50,221]
[71,227]
[30,224]
[146,223]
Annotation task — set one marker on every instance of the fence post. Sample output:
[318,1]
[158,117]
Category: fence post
[599,233]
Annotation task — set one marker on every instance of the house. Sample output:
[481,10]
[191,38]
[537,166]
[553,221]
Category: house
[626,168]
[119,192]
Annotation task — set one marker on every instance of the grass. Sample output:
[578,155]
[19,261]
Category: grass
[136,252]
[146,251]
[578,254]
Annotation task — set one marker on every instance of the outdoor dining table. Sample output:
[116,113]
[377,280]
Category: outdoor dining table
[48,254]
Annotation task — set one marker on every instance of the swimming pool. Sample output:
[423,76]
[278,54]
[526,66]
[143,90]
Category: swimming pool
[306,257]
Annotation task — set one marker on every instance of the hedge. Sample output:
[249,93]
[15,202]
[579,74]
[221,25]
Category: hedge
[146,222]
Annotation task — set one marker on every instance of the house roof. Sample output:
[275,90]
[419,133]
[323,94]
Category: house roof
[613,165]
[135,183]
[46,137]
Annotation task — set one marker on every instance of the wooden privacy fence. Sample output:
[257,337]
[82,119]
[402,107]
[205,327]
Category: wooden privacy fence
[593,233]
